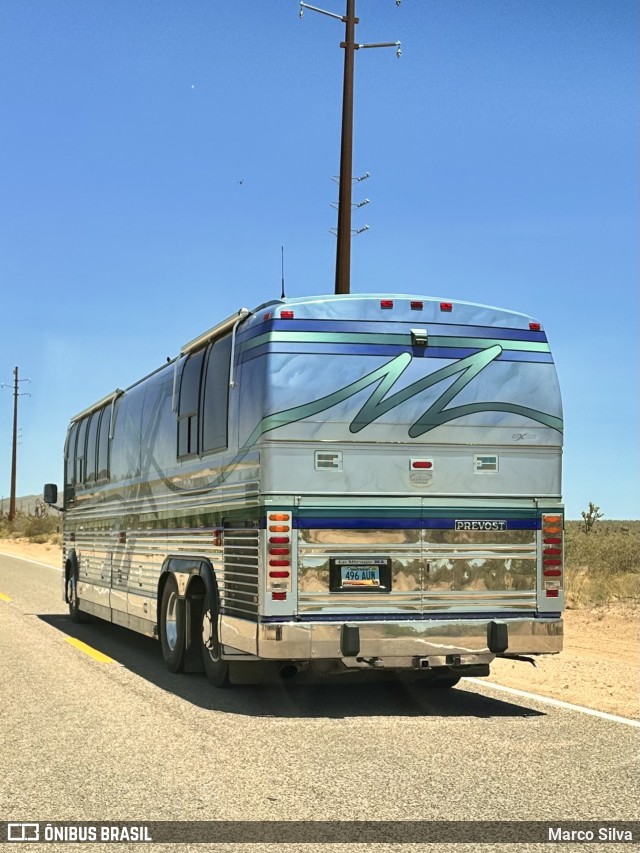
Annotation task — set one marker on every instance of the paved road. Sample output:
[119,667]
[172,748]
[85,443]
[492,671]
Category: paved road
[83,740]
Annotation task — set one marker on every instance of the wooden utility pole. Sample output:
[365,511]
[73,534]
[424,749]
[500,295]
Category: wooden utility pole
[14,448]
[349,45]
[343,249]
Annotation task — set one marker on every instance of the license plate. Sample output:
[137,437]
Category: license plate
[360,576]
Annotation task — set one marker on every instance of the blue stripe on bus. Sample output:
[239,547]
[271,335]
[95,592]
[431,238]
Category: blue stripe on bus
[382,522]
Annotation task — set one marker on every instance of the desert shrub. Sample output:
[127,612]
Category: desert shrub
[31,527]
[602,566]
[613,547]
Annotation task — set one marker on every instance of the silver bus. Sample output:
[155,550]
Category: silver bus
[328,484]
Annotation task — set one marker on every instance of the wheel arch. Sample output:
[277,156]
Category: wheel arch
[195,577]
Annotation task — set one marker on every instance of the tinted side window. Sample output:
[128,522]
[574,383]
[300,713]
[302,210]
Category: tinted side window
[92,442]
[216,396]
[70,454]
[81,462]
[103,445]
[188,408]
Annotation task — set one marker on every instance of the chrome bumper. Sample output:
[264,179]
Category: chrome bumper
[423,639]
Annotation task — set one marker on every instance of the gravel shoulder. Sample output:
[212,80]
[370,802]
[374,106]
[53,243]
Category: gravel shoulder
[599,667]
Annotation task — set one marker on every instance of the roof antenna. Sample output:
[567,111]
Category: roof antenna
[282,296]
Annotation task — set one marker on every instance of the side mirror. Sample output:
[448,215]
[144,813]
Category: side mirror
[50,493]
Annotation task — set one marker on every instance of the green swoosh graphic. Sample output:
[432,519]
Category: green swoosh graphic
[386,377]
[376,406]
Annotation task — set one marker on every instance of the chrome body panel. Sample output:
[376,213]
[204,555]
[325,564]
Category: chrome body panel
[432,570]
[238,634]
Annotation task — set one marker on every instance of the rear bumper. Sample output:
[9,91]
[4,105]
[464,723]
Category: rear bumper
[430,639]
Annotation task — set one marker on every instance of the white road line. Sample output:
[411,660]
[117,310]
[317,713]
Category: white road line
[547,700]
[27,560]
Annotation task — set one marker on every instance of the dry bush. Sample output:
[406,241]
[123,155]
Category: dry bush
[603,566]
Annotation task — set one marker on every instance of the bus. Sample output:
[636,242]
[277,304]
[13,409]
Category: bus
[325,485]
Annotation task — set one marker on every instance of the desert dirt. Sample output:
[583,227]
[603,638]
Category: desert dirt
[599,667]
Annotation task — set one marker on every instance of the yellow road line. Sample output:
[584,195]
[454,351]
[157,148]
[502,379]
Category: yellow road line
[93,653]
[4,597]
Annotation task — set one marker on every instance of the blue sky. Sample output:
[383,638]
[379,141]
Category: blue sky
[156,154]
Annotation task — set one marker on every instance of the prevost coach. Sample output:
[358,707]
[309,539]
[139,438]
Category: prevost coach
[328,484]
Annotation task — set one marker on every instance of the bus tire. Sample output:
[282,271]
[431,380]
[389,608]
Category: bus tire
[71,591]
[216,669]
[172,626]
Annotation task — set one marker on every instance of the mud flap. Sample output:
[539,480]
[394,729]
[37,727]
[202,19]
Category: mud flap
[497,637]
[349,641]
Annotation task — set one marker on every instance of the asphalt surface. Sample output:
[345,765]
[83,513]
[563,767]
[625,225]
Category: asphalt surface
[83,740]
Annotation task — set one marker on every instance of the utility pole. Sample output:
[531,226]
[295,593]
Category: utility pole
[14,448]
[343,250]
[349,45]
[14,444]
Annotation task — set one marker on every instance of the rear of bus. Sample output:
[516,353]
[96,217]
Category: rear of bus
[410,516]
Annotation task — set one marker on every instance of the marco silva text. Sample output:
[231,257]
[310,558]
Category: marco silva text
[603,833]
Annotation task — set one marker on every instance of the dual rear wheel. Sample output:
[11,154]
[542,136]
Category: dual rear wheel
[173,632]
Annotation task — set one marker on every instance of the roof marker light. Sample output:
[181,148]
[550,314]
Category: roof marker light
[386,303]
[535,327]
[446,306]
[286,315]
[417,306]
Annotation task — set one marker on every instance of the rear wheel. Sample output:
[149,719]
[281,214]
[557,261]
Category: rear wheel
[172,626]
[75,613]
[217,670]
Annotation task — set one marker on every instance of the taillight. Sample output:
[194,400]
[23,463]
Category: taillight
[552,555]
[278,575]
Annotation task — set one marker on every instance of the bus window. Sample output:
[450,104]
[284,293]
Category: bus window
[216,396]
[80,455]
[92,441]
[103,445]
[188,408]
[70,454]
